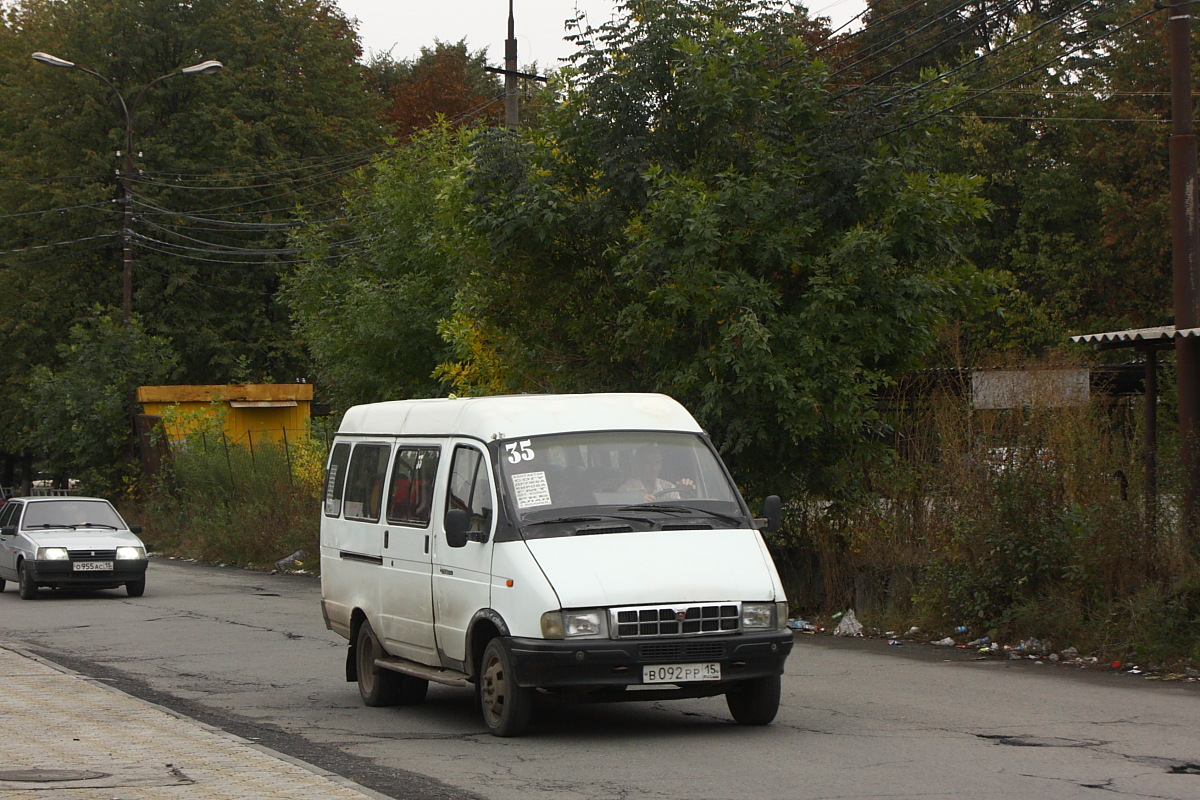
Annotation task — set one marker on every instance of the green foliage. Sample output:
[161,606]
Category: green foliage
[1073,157]
[237,504]
[81,410]
[222,162]
[668,229]
[371,319]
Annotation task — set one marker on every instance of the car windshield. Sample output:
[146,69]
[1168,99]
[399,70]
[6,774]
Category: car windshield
[71,514]
[617,482]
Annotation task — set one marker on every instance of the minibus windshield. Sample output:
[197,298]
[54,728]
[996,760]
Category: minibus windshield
[616,482]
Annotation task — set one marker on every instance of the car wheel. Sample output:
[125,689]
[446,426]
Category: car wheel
[507,707]
[378,687]
[1,584]
[25,583]
[136,588]
[756,701]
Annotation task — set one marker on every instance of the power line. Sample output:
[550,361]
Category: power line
[1039,67]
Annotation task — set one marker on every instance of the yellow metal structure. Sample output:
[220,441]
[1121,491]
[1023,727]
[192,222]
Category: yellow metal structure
[248,413]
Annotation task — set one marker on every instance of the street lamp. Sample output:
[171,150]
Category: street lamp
[128,110]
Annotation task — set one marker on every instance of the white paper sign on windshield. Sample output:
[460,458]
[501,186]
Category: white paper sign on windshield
[531,489]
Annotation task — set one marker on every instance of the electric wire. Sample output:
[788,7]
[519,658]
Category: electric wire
[1012,43]
[107,206]
[56,244]
[921,25]
[1057,59]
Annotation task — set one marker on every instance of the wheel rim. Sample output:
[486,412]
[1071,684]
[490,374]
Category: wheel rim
[492,689]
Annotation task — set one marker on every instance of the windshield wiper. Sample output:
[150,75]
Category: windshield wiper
[98,525]
[49,525]
[669,508]
[589,518]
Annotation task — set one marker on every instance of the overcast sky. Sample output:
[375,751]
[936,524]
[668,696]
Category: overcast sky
[403,27]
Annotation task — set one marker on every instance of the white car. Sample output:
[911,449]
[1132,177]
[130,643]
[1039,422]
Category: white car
[69,543]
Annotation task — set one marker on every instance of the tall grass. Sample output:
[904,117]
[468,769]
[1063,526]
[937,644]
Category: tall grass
[1028,522]
[248,503]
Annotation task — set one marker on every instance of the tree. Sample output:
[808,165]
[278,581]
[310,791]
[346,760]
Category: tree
[445,81]
[223,162]
[80,409]
[687,220]
[1073,154]
[370,319]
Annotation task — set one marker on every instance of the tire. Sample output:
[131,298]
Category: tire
[1,584]
[25,584]
[756,701]
[507,708]
[380,687]
[136,588]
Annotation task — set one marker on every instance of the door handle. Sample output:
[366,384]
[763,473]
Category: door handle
[445,571]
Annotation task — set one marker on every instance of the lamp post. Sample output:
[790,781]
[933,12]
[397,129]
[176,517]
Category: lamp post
[128,110]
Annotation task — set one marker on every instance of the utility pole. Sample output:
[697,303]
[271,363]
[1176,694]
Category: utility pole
[512,116]
[511,112]
[1185,261]
[128,112]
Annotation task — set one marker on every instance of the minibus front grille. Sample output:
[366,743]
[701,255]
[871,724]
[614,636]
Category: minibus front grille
[689,620]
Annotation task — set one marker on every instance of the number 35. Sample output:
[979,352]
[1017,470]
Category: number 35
[519,451]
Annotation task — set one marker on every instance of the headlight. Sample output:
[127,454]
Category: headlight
[587,624]
[52,554]
[129,552]
[760,616]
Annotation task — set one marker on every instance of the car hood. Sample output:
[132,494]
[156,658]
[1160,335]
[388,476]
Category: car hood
[648,567]
[90,539]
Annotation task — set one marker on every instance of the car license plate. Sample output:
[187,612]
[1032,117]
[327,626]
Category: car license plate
[93,566]
[681,673]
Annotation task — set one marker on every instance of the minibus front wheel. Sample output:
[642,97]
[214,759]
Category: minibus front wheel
[755,701]
[506,707]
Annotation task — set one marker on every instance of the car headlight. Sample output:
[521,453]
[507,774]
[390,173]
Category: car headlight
[129,552]
[52,554]
[763,616]
[587,624]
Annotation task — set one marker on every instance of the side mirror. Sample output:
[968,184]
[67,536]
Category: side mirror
[457,521]
[135,529]
[772,509]
[8,530]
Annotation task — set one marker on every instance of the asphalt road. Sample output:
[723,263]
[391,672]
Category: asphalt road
[249,653]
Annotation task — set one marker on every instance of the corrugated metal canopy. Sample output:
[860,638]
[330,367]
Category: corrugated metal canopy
[1163,336]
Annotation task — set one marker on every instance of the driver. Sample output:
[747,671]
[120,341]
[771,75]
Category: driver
[647,463]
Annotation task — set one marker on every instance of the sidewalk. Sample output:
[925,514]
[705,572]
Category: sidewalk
[67,737]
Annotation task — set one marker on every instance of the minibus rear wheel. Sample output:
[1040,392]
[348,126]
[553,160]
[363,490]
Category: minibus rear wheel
[756,701]
[382,687]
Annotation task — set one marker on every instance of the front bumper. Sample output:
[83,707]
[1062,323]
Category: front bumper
[63,575]
[617,663]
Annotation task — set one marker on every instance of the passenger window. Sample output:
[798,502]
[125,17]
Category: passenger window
[335,479]
[411,491]
[364,482]
[9,511]
[470,489]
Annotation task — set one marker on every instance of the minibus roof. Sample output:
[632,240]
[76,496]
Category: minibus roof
[514,416]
